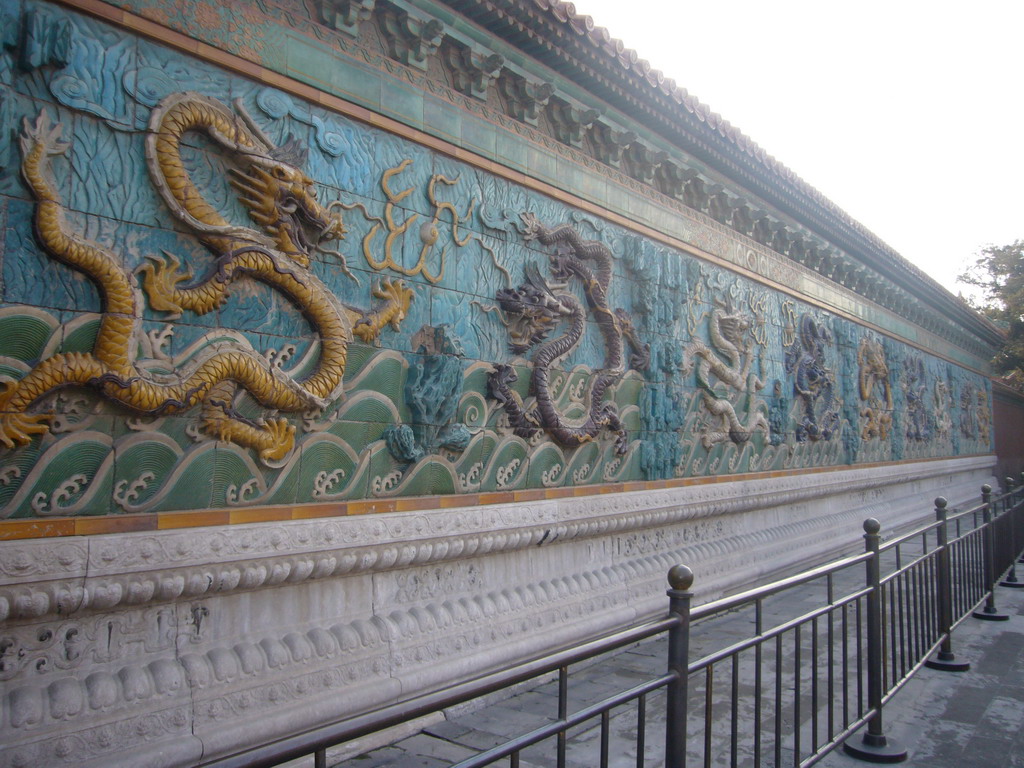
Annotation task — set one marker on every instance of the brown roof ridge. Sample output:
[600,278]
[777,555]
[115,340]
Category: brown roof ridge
[584,26]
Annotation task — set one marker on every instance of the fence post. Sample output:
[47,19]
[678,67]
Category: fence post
[873,746]
[989,612]
[1020,488]
[945,659]
[680,579]
[1011,510]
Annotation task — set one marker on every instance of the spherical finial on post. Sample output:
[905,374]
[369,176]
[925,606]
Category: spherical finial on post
[872,526]
[1009,482]
[986,488]
[680,578]
[940,502]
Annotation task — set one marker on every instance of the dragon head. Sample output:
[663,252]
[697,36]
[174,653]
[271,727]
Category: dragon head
[815,335]
[283,200]
[733,327]
[871,357]
[531,311]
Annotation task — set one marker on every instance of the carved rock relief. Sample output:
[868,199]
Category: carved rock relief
[432,392]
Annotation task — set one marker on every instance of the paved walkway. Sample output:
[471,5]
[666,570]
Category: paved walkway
[973,719]
[943,719]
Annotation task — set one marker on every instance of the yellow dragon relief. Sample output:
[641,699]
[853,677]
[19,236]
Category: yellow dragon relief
[875,390]
[282,200]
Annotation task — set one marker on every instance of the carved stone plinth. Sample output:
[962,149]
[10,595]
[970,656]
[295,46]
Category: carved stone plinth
[153,648]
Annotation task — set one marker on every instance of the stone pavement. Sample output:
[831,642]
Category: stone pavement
[944,719]
[972,719]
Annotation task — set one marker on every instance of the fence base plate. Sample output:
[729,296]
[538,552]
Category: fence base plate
[990,616]
[874,749]
[947,665]
[1012,584]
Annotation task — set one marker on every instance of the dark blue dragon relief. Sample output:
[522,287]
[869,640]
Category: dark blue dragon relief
[535,309]
[814,383]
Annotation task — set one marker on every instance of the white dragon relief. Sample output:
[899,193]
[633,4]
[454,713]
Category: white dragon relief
[727,361]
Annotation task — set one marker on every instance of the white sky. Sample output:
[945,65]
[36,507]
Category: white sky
[909,115]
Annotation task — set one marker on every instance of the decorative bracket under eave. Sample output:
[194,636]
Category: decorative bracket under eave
[570,122]
[412,36]
[610,141]
[473,68]
[345,15]
[642,161]
[525,98]
[671,179]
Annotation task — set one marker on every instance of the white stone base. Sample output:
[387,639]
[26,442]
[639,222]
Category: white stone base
[156,649]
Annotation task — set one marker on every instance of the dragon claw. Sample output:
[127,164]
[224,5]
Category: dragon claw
[364,331]
[280,436]
[398,298]
[44,133]
[499,382]
[19,428]
[560,267]
[160,280]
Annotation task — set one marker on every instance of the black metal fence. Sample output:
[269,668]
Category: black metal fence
[805,676]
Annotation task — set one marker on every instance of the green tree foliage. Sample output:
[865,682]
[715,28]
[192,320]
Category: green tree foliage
[998,274]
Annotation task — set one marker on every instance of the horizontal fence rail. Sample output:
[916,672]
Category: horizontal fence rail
[820,655]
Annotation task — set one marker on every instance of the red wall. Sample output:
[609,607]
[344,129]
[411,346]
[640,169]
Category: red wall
[1008,417]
